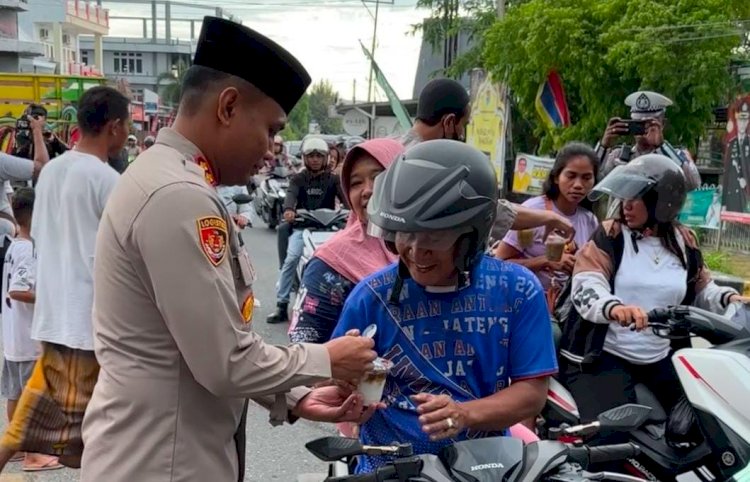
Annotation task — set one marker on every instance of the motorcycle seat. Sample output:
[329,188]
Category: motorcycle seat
[644,396]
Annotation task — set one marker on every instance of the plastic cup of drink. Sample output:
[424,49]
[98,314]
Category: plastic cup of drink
[554,246]
[526,238]
[372,385]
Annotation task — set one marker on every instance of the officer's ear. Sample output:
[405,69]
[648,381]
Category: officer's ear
[228,104]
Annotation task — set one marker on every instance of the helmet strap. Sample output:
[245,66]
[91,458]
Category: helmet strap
[398,284]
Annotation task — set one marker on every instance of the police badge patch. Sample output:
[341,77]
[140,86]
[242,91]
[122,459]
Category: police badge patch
[212,231]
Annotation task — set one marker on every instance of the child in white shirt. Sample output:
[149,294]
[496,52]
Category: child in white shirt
[18,297]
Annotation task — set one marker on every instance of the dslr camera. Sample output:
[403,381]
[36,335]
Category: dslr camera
[23,139]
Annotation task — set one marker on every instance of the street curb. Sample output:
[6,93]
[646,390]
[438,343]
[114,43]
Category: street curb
[741,285]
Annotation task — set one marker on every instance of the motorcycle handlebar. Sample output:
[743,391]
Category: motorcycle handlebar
[605,453]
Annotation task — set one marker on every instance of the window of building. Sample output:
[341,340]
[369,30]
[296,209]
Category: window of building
[137,94]
[85,57]
[128,62]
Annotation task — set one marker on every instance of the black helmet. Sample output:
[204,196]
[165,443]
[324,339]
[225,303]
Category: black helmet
[437,185]
[645,174]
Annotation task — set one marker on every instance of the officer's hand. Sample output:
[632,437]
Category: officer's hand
[289,216]
[351,357]
[615,128]
[335,404]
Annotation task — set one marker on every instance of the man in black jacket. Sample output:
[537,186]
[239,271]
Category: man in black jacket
[313,188]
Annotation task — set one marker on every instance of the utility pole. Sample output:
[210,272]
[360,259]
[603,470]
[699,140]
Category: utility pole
[370,96]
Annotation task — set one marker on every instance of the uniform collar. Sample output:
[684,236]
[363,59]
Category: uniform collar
[171,138]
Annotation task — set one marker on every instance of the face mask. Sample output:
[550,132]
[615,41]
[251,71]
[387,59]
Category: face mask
[455,136]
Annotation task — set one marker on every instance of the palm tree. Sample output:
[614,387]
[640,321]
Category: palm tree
[168,84]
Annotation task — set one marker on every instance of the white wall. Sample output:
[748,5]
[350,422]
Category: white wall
[39,11]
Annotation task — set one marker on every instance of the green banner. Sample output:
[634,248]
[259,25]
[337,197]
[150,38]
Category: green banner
[701,208]
[398,109]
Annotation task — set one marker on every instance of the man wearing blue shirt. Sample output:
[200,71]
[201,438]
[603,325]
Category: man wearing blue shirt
[468,335]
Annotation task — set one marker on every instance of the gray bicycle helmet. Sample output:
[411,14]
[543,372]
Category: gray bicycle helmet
[648,173]
[437,186]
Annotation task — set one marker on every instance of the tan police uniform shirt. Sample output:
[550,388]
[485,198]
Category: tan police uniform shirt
[172,302]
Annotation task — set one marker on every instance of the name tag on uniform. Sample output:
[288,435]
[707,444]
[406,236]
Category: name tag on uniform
[246,267]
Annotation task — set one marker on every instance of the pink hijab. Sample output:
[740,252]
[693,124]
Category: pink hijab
[351,252]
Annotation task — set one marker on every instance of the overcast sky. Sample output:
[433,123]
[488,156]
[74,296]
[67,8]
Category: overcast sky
[323,34]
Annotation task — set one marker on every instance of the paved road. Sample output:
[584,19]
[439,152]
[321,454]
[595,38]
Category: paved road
[273,453]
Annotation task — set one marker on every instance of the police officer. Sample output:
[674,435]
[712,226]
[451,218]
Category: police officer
[648,108]
[173,286]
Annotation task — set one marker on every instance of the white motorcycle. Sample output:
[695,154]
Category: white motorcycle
[318,227]
[716,382]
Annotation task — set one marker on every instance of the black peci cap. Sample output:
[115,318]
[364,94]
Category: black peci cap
[240,51]
[440,97]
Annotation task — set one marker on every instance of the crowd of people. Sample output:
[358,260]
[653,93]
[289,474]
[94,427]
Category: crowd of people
[128,291]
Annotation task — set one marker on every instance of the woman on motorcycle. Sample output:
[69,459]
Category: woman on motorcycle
[468,335]
[350,255]
[642,260]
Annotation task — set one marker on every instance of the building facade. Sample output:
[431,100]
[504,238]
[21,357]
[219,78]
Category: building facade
[55,26]
[15,43]
[140,61]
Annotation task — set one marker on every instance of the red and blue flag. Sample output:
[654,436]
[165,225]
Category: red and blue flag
[550,102]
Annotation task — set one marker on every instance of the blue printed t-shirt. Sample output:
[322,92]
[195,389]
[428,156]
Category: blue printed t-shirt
[467,344]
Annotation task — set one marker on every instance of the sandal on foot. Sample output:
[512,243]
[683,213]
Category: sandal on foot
[52,464]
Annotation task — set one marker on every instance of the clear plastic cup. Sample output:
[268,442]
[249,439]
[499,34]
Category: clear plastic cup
[554,246]
[372,385]
[526,238]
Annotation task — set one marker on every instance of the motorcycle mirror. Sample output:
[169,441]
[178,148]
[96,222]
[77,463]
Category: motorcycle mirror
[331,449]
[242,199]
[625,417]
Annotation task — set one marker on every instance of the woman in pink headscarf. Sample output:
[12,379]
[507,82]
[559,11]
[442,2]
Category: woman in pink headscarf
[351,254]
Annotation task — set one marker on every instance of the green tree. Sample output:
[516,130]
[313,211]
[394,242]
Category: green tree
[322,96]
[298,120]
[605,49]
[169,84]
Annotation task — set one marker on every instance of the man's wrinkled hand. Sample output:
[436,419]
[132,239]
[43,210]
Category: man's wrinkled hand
[335,404]
[289,216]
[441,417]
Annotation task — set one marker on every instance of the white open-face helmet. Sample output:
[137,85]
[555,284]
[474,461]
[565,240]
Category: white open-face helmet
[314,144]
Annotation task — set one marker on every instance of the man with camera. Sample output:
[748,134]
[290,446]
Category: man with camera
[24,145]
[15,168]
[646,124]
